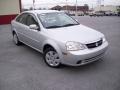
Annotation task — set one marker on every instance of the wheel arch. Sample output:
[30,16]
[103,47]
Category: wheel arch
[52,44]
[47,46]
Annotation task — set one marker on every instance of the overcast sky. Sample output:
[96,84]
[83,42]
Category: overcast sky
[50,3]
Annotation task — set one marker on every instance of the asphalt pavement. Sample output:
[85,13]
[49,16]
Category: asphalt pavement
[22,68]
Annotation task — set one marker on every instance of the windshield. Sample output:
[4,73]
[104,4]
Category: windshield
[56,20]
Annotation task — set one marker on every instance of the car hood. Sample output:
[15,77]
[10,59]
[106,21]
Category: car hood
[78,33]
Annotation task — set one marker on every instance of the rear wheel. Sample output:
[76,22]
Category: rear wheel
[51,58]
[15,39]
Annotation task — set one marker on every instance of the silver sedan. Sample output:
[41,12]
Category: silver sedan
[60,38]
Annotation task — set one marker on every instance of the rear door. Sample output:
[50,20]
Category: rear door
[21,27]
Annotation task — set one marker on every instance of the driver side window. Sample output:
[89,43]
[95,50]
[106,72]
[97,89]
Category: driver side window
[31,20]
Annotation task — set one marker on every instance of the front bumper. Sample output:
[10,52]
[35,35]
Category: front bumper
[77,58]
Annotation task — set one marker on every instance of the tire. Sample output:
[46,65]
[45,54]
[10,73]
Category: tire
[51,58]
[15,39]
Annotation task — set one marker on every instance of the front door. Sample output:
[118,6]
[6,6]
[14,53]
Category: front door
[32,34]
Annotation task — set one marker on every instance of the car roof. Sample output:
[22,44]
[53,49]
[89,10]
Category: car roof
[40,11]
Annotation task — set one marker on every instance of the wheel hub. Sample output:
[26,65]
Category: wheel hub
[52,58]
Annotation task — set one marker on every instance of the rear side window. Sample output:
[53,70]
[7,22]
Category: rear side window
[22,18]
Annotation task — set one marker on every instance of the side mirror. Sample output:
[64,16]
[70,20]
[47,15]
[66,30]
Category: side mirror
[34,26]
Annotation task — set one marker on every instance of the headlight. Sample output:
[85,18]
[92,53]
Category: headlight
[103,39]
[74,46]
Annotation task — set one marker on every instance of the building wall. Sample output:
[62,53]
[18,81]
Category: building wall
[71,8]
[79,8]
[8,10]
[106,8]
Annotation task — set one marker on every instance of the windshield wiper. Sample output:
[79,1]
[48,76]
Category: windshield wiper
[69,25]
[55,26]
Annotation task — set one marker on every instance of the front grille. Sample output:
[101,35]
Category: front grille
[85,61]
[95,44]
[93,58]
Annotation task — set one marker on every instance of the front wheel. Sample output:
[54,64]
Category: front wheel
[51,58]
[15,39]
